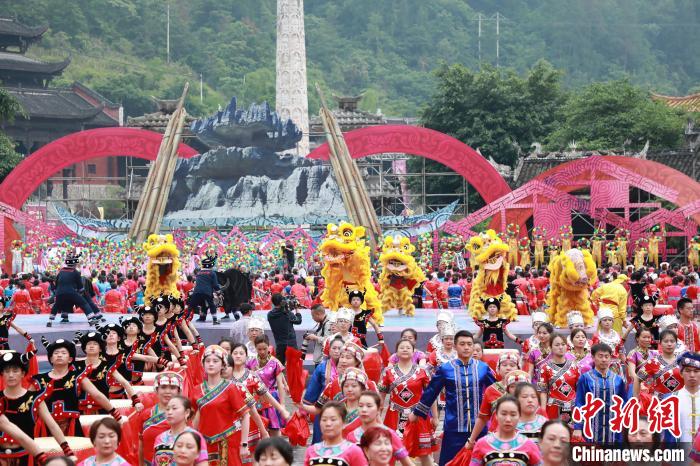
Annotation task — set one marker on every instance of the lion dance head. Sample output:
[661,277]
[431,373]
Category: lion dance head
[163,266]
[400,274]
[490,253]
[346,267]
[572,273]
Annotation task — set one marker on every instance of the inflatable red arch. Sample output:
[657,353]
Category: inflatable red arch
[77,147]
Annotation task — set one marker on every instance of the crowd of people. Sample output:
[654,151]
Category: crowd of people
[455,398]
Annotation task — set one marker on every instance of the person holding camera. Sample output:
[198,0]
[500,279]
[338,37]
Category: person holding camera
[282,318]
[319,334]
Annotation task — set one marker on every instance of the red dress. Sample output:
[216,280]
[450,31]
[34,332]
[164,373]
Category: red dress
[659,377]
[22,302]
[405,391]
[559,383]
[220,409]
[36,293]
[252,383]
[150,423]
[114,302]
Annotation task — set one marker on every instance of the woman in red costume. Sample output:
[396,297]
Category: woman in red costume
[404,382]
[21,302]
[223,415]
[151,422]
[557,382]
[661,375]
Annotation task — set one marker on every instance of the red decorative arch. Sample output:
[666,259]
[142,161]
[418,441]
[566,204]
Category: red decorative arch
[426,143]
[77,147]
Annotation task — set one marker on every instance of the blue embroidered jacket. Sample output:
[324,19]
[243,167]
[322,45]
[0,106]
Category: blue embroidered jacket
[603,388]
[464,389]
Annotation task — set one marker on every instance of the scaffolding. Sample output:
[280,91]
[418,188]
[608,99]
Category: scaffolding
[396,188]
[83,192]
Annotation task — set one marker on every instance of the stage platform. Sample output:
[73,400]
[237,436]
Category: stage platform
[423,322]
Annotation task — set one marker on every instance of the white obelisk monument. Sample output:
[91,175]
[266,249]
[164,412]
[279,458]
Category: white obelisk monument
[291,92]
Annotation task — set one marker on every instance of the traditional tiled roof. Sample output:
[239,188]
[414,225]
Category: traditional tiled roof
[349,120]
[690,102]
[60,104]
[157,122]
[18,62]
[12,27]
[527,168]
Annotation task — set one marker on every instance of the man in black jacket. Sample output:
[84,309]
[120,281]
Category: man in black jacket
[282,322]
[69,291]
[205,285]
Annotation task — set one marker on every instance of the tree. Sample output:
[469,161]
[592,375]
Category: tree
[9,158]
[614,114]
[494,108]
[490,110]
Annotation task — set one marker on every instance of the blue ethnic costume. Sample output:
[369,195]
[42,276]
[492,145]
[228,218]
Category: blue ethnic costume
[464,386]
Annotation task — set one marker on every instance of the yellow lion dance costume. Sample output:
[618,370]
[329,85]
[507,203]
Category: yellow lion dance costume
[163,266]
[572,272]
[400,274]
[346,267]
[489,253]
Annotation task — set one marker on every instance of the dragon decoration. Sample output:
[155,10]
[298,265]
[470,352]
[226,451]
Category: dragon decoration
[571,274]
[489,254]
[346,267]
[400,274]
[163,266]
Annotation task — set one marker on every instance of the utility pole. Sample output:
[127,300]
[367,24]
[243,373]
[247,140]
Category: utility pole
[167,36]
[201,88]
[479,41]
[498,38]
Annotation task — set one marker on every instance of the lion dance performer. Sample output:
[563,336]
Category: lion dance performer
[597,246]
[571,273]
[163,267]
[694,251]
[566,233]
[524,249]
[622,238]
[491,279]
[653,247]
[400,274]
[512,232]
[346,266]
[538,238]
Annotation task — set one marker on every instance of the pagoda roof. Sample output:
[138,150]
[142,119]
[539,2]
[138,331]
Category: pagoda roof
[690,102]
[12,27]
[59,104]
[17,62]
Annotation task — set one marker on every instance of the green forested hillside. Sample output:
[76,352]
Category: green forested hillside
[387,48]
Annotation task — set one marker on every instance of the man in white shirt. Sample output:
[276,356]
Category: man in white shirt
[689,397]
[239,329]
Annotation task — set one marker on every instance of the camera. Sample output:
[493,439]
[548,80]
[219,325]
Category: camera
[290,304]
